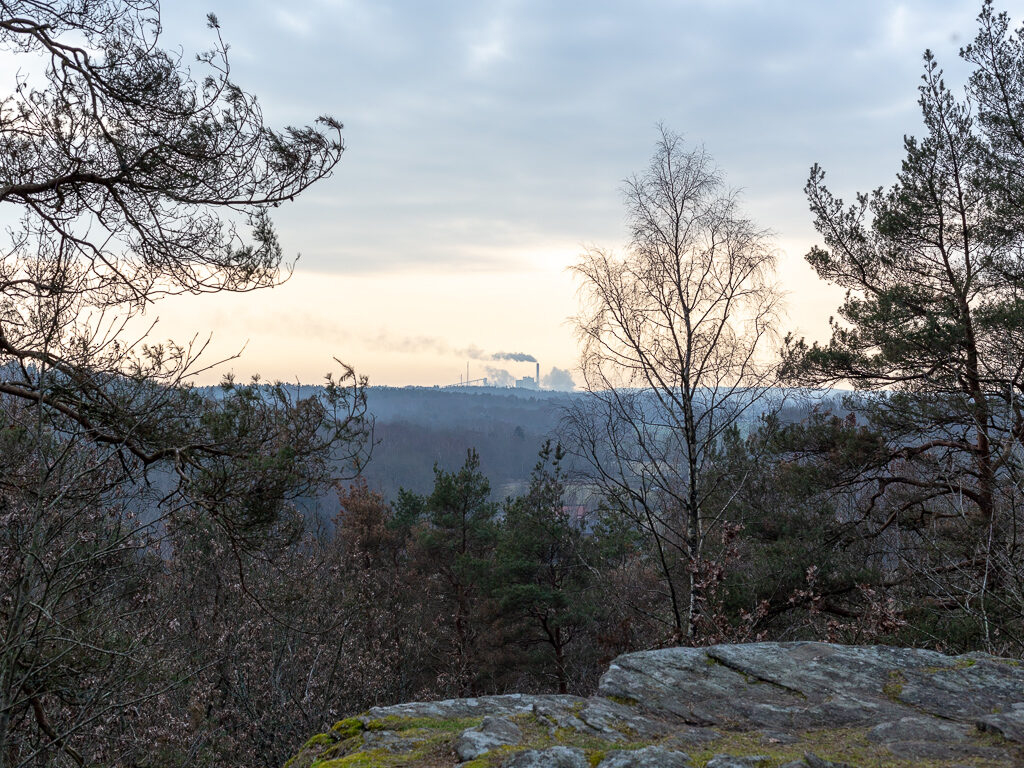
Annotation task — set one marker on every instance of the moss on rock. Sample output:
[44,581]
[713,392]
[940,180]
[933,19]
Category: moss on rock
[645,698]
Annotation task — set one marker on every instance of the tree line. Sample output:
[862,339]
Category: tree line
[164,601]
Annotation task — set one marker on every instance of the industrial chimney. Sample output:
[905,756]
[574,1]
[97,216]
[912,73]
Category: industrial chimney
[538,375]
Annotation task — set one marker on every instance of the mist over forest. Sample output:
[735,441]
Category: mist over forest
[416,428]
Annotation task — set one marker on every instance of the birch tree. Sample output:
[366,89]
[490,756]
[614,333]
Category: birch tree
[676,336]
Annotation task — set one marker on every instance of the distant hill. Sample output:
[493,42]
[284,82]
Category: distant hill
[418,427]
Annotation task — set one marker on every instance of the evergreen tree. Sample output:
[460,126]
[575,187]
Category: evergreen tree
[542,577]
[930,321]
[931,333]
[455,545]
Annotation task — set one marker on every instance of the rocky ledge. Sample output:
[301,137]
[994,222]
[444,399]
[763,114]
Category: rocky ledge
[758,705]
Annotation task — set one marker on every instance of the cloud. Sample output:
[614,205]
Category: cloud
[570,93]
[488,45]
[560,379]
[293,22]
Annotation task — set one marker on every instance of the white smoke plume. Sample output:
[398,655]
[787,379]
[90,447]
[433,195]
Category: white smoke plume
[499,377]
[519,357]
[559,379]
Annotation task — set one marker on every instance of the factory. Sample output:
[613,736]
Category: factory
[526,382]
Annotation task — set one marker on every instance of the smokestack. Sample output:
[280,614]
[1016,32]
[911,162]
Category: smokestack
[538,375]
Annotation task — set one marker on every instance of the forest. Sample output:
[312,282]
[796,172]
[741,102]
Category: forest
[168,599]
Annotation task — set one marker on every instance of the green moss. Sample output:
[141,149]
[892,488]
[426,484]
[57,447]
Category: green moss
[569,737]
[894,686]
[491,759]
[348,727]
[843,745]
[961,663]
[374,758]
[432,748]
[316,748]
[626,701]
[595,756]
[404,724]
[321,739]
[345,747]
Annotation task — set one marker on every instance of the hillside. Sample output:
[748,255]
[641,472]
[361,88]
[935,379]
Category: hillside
[418,427]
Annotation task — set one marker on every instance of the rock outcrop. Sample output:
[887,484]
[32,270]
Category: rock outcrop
[758,705]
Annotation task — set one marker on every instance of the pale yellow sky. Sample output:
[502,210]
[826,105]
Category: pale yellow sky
[415,327]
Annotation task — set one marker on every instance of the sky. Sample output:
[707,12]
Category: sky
[486,144]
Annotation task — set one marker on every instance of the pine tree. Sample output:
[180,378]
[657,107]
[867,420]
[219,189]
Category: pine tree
[542,575]
[455,545]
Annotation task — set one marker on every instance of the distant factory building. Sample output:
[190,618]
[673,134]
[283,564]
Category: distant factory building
[527,383]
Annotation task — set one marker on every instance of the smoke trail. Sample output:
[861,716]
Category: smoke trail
[519,357]
[473,352]
[390,342]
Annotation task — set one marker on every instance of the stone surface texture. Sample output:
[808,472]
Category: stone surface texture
[646,757]
[756,705]
[493,732]
[552,757]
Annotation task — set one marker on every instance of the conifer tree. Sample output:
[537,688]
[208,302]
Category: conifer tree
[931,333]
[542,572]
[455,547]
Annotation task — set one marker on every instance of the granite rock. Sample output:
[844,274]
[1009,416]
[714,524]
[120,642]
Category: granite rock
[787,700]
[648,757]
[493,732]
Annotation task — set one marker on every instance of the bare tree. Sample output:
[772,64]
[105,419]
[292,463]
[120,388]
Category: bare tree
[130,180]
[676,340]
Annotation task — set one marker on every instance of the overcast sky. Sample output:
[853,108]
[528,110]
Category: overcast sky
[487,141]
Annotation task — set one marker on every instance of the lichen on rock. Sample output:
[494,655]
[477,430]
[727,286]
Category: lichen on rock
[758,705]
